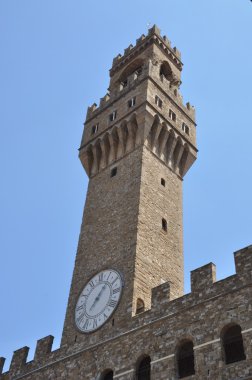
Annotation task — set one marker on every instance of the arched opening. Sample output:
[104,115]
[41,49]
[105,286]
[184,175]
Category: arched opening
[139,306]
[144,369]
[233,344]
[166,71]
[185,359]
[134,67]
[107,375]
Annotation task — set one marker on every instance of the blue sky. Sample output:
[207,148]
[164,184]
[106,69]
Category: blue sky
[55,57]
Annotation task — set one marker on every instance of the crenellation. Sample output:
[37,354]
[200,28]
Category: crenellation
[128,49]
[243,263]
[160,295]
[176,51]
[103,101]
[116,59]
[165,305]
[90,110]
[154,30]
[142,42]
[43,348]
[202,278]
[19,360]
[140,39]
[167,41]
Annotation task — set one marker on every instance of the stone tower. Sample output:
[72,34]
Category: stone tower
[126,317]
[136,148]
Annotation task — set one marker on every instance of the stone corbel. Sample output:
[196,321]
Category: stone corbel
[178,158]
[171,151]
[103,162]
[120,150]
[111,155]
[131,137]
[162,146]
[94,168]
[154,145]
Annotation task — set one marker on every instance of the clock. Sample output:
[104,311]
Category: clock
[98,300]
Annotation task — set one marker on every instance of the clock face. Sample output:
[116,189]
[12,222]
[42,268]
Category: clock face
[98,300]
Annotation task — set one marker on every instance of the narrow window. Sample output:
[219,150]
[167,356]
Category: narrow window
[132,102]
[164,225]
[124,83]
[144,369]
[138,71]
[112,116]
[185,129]
[163,182]
[94,129]
[172,115]
[113,172]
[186,360]
[139,306]
[233,344]
[107,375]
[158,101]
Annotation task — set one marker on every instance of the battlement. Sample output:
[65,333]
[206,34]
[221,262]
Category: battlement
[139,63]
[204,287]
[19,363]
[108,99]
[154,36]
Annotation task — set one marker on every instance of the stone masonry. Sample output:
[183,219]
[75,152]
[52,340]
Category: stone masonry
[136,148]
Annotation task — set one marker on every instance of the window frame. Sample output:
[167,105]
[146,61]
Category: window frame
[172,115]
[158,101]
[112,116]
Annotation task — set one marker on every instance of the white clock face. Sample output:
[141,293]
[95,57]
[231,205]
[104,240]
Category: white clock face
[98,300]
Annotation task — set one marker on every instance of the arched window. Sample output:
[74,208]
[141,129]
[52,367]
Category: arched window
[166,71]
[107,375]
[139,306]
[233,344]
[134,67]
[185,359]
[144,369]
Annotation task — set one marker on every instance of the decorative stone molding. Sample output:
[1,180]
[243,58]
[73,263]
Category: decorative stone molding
[158,136]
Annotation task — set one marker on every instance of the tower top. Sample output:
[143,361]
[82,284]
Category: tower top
[153,36]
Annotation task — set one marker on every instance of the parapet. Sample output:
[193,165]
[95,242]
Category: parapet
[203,277]
[204,285]
[243,263]
[160,295]
[203,288]
[19,364]
[18,360]
[153,35]
[44,347]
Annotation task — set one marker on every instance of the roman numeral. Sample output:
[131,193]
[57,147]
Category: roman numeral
[79,307]
[109,275]
[116,290]
[94,323]
[112,283]
[85,326]
[101,276]
[105,316]
[91,283]
[80,319]
[112,303]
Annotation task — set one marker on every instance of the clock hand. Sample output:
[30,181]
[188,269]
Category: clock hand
[98,297]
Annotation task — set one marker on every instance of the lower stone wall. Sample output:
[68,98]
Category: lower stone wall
[199,316]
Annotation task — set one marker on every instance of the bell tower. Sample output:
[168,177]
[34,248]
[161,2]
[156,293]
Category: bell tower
[136,147]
